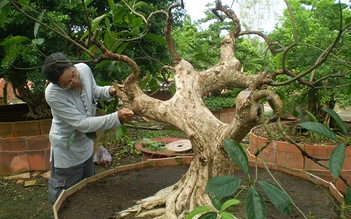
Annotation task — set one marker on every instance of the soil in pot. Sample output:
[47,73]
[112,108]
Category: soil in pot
[102,199]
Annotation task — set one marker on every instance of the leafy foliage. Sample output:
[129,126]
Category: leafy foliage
[58,26]
[312,30]
[221,188]
[153,145]
[337,157]
[220,100]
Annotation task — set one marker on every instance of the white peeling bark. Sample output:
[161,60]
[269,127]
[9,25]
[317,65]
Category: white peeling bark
[187,111]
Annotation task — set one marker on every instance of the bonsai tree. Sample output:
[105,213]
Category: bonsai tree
[109,34]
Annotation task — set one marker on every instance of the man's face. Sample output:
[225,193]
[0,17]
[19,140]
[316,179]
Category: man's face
[70,79]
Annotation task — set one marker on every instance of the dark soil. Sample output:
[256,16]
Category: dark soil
[13,113]
[102,199]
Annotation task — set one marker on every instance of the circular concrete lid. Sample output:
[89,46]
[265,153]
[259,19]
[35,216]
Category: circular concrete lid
[179,146]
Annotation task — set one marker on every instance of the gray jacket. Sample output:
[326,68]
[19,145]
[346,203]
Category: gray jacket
[74,112]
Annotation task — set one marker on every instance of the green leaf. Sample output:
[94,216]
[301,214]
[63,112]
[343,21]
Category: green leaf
[153,85]
[137,22]
[24,2]
[87,2]
[5,8]
[348,196]
[198,210]
[302,116]
[102,63]
[12,54]
[203,57]
[342,5]
[347,20]
[237,154]
[229,203]
[222,186]
[111,4]
[270,67]
[14,40]
[255,205]
[278,197]
[209,215]
[109,38]
[140,4]
[312,117]
[337,159]
[70,140]
[144,82]
[91,135]
[119,13]
[226,215]
[37,25]
[38,41]
[120,132]
[157,39]
[122,47]
[320,129]
[216,202]
[337,119]
[97,20]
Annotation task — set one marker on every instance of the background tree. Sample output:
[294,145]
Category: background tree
[71,23]
[27,48]
[316,37]
[186,109]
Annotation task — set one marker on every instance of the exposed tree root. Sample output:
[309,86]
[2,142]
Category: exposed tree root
[172,202]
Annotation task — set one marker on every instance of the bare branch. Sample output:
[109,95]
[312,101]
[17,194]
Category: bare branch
[268,42]
[292,20]
[232,16]
[167,31]
[108,55]
[88,22]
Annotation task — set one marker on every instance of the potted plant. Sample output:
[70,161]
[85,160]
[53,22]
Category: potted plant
[157,147]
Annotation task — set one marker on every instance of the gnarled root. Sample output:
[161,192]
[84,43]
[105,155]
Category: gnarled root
[153,206]
[172,202]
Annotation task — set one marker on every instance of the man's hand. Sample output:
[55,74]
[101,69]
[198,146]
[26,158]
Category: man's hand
[125,115]
[113,91]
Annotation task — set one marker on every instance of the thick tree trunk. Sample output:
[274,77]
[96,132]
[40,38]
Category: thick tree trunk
[189,192]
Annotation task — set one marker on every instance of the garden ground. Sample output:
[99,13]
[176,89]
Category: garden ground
[20,201]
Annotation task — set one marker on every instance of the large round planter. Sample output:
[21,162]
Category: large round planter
[288,158]
[172,161]
[147,154]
